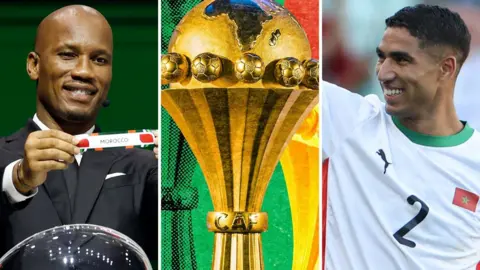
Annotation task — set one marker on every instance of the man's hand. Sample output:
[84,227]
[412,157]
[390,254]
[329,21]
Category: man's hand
[44,151]
[155,149]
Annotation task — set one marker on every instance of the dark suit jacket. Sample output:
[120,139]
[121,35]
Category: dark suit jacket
[126,203]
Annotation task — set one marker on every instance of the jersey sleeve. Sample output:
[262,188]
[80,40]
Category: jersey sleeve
[342,112]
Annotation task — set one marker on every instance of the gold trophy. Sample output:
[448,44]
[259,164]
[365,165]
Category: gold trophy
[241,82]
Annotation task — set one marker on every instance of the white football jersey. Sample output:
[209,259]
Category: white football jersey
[396,199]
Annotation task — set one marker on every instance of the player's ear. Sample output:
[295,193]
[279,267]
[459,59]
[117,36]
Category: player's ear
[448,67]
[33,62]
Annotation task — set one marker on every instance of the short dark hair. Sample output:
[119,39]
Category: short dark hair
[434,25]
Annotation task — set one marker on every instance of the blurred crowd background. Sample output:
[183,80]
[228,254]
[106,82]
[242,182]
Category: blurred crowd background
[352,29]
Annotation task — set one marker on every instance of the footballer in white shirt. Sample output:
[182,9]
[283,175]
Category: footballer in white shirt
[402,178]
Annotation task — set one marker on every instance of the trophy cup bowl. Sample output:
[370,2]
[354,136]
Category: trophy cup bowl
[241,82]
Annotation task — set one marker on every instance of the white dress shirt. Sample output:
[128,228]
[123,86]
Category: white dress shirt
[8,187]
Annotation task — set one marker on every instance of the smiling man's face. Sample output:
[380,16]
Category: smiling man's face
[73,65]
[408,74]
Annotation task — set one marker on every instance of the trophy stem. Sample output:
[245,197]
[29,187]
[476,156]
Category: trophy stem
[236,251]
[238,136]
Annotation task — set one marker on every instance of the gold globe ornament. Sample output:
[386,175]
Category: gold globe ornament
[260,27]
[206,67]
[310,79]
[174,68]
[249,68]
[289,72]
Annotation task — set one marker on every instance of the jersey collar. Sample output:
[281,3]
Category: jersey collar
[435,141]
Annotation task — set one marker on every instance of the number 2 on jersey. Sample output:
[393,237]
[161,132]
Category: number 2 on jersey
[400,234]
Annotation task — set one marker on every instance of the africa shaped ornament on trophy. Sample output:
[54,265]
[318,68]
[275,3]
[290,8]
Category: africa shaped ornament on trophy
[241,83]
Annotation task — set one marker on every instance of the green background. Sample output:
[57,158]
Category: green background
[277,241]
[134,89]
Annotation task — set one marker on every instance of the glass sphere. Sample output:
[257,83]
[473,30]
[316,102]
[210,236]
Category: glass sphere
[79,246]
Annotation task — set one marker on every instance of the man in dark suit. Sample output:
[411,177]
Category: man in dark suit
[46,182]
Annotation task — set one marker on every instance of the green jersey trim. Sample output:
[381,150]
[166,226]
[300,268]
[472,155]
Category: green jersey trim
[435,141]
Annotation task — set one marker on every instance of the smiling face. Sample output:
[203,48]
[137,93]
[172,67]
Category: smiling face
[409,75]
[72,65]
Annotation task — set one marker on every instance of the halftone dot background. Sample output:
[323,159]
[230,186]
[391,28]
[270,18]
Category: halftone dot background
[186,243]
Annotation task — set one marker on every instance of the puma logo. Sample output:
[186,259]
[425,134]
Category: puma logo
[384,158]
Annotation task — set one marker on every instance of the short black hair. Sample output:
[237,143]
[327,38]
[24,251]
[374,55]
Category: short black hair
[433,26]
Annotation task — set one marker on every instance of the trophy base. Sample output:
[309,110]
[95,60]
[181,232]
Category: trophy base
[236,251]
